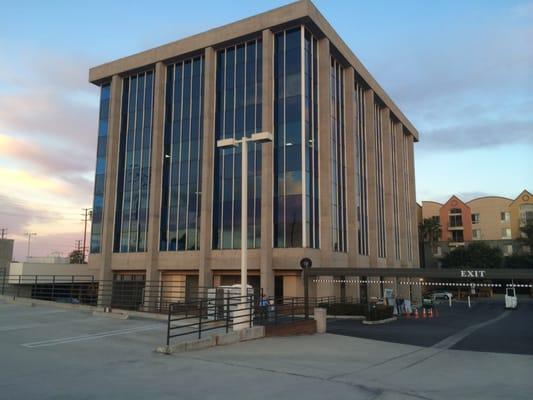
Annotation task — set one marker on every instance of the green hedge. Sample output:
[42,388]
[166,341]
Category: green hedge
[370,312]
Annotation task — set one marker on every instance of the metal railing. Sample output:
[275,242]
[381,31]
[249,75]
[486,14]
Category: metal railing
[210,314]
[138,295]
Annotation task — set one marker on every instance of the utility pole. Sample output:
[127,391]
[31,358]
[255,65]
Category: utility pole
[88,212]
[3,233]
[77,247]
[29,235]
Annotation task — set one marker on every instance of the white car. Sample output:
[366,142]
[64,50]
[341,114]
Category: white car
[511,301]
[441,295]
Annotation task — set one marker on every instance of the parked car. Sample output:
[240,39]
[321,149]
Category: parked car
[441,295]
[511,301]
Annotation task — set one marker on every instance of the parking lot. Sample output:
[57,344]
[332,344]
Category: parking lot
[486,326]
[51,353]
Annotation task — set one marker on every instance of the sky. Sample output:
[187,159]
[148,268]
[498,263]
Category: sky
[461,71]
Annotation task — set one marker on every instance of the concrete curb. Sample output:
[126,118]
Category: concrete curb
[354,317]
[379,322]
[113,315]
[224,339]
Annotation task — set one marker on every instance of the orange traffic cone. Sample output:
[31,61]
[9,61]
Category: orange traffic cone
[430,313]
[416,313]
[407,315]
[423,313]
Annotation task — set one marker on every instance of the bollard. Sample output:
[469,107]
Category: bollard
[468,301]
[423,313]
[320,319]
[450,301]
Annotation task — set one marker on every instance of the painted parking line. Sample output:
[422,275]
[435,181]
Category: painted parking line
[452,340]
[37,312]
[94,336]
[16,327]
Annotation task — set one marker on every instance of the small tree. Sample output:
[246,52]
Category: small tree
[76,257]
[477,255]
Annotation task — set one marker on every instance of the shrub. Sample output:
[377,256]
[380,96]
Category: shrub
[370,312]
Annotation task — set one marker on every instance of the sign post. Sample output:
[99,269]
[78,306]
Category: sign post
[305,264]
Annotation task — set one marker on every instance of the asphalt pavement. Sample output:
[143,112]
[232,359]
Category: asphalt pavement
[486,326]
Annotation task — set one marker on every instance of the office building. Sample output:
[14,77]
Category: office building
[335,185]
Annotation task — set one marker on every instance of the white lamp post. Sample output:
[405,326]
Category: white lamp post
[231,142]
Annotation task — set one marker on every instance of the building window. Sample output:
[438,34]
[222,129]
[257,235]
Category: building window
[99,179]
[526,214]
[508,249]
[455,221]
[361,169]
[506,233]
[296,208]
[476,234]
[380,186]
[505,216]
[475,218]
[238,113]
[133,185]
[407,193]
[182,155]
[338,158]
[457,236]
[455,211]
[395,197]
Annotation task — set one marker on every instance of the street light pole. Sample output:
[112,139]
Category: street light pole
[260,137]
[29,234]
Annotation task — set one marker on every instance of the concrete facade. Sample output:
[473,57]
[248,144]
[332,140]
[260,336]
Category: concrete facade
[276,270]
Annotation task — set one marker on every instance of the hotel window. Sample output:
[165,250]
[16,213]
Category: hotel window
[238,113]
[361,169]
[133,185]
[457,236]
[475,218]
[476,234]
[380,187]
[506,233]
[338,158]
[182,154]
[296,208]
[505,216]
[101,161]
[455,221]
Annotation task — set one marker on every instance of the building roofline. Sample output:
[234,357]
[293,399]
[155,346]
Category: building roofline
[525,191]
[301,10]
[431,201]
[489,197]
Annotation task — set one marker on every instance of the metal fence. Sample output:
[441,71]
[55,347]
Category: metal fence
[138,295]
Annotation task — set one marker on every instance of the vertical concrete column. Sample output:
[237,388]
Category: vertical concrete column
[324,143]
[412,186]
[205,276]
[387,182]
[113,142]
[267,166]
[351,190]
[401,194]
[152,268]
[371,178]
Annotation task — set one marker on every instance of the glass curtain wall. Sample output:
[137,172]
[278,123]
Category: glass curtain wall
[99,179]
[133,183]
[338,158]
[407,194]
[394,180]
[296,139]
[380,187]
[361,169]
[182,165]
[238,113]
